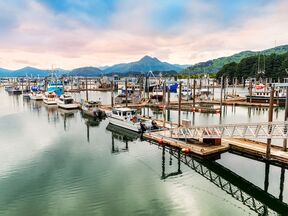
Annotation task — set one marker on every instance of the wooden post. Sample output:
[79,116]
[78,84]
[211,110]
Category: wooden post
[285,119]
[213,89]
[221,94]
[87,89]
[270,119]
[194,92]
[164,92]
[168,101]
[126,92]
[179,104]
[250,91]
[112,94]
[164,103]
[225,83]
[22,85]
[208,83]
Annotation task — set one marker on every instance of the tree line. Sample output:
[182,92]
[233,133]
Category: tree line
[270,66]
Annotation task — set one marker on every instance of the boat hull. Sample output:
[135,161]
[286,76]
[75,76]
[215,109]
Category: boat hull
[68,106]
[125,124]
[49,102]
[35,97]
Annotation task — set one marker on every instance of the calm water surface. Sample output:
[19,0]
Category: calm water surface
[58,163]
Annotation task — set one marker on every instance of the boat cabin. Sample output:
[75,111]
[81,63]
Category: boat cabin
[124,112]
[66,99]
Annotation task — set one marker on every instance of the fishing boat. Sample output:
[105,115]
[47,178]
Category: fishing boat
[127,118]
[264,97]
[66,102]
[49,98]
[57,87]
[91,109]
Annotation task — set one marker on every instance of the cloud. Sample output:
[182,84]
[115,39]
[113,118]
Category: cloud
[77,33]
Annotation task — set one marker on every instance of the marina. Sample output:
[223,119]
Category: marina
[211,155]
[143,108]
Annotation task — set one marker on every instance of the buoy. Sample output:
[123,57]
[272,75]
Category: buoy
[160,141]
[186,150]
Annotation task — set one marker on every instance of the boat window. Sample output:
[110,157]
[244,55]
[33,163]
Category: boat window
[115,112]
[133,112]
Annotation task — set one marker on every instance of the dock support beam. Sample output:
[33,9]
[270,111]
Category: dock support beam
[179,104]
[285,119]
[112,94]
[126,92]
[221,95]
[86,89]
[270,119]
[194,92]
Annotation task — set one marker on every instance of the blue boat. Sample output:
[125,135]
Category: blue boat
[173,85]
[56,86]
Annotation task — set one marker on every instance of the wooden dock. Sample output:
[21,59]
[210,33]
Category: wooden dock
[237,103]
[248,147]
[194,147]
[257,149]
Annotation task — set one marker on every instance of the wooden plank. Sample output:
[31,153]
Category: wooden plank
[196,148]
[257,149]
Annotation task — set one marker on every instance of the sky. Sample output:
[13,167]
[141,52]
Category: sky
[75,33]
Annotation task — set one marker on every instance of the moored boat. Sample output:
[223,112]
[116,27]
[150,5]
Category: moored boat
[66,102]
[49,98]
[91,109]
[127,118]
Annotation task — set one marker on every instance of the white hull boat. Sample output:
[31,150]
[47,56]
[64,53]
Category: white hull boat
[127,118]
[67,102]
[50,98]
[36,96]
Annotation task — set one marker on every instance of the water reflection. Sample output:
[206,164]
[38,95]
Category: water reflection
[122,135]
[67,115]
[178,172]
[257,199]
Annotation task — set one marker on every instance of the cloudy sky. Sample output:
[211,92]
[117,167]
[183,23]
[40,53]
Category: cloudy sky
[75,33]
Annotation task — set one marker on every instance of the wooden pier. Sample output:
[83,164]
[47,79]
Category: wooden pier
[256,149]
[194,147]
[209,140]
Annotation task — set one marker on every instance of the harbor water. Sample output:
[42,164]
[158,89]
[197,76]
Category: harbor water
[54,162]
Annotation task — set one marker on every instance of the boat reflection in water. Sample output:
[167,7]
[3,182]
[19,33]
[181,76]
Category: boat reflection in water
[66,115]
[123,135]
[91,122]
[252,196]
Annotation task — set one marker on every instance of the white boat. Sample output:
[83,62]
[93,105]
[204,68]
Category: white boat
[157,94]
[66,102]
[36,96]
[127,118]
[49,98]
[185,92]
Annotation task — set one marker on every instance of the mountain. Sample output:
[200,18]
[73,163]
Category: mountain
[4,72]
[29,71]
[85,72]
[213,66]
[182,66]
[145,64]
